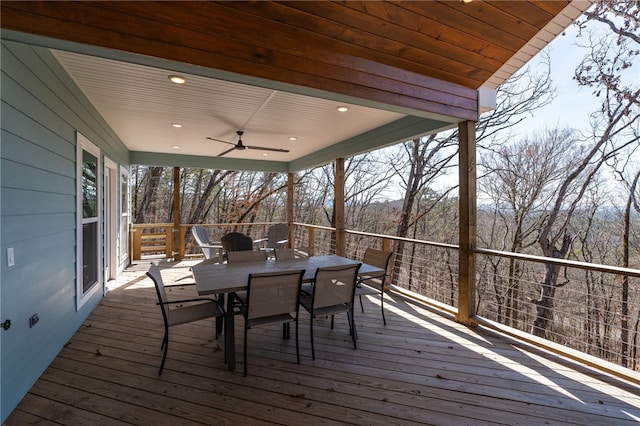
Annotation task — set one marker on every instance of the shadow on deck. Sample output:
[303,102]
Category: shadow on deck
[422,368]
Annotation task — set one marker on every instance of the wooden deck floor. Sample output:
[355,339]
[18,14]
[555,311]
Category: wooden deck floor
[422,368]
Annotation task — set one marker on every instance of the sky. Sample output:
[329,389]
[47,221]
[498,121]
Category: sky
[572,105]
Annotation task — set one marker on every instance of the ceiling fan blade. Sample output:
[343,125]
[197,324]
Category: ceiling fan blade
[220,140]
[264,148]
[227,151]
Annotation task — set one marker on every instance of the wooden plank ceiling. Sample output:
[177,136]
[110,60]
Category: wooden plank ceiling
[417,56]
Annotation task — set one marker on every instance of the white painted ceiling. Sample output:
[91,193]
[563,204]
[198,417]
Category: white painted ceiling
[140,104]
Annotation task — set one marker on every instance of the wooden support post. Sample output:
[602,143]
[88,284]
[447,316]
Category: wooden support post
[290,195]
[176,214]
[182,238]
[467,224]
[312,240]
[136,243]
[339,207]
[386,244]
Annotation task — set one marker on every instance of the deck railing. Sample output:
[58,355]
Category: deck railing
[151,240]
[589,314]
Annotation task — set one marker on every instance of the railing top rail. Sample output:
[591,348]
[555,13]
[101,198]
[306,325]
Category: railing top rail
[327,228]
[231,224]
[521,256]
[408,240]
[562,262]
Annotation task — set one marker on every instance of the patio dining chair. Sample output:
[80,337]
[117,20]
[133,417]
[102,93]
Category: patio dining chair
[245,256]
[332,292]
[240,257]
[277,238]
[285,253]
[291,253]
[374,284]
[271,298]
[180,314]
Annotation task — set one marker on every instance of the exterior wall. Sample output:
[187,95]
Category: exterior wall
[41,112]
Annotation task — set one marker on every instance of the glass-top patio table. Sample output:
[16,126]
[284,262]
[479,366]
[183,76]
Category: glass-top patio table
[216,278]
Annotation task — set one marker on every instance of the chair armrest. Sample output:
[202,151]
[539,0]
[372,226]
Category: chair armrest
[371,277]
[199,299]
[260,243]
[214,245]
[179,285]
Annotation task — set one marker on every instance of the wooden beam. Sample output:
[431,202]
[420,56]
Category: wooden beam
[339,207]
[467,223]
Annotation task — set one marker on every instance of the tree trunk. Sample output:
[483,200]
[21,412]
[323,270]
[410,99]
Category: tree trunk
[152,177]
[544,305]
[413,182]
[624,320]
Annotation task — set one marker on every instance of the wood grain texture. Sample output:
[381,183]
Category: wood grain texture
[422,368]
[427,56]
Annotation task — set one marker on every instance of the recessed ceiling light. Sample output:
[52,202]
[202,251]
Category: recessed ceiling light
[293,138]
[343,108]
[176,125]
[177,79]
[265,154]
[176,147]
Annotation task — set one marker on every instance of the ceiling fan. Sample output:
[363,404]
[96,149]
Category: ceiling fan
[240,146]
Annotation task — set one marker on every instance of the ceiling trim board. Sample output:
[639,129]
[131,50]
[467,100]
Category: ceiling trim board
[401,130]
[204,162]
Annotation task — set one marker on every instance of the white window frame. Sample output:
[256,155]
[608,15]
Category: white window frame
[83,144]
[125,214]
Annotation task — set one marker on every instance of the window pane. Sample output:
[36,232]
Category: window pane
[124,193]
[89,250]
[89,185]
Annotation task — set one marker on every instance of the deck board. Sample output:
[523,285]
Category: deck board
[422,368]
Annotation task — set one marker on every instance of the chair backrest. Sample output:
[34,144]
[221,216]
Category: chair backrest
[156,277]
[287,253]
[379,258]
[202,239]
[276,233]
[273,293]
[334,285]
[236,241]
[245,256]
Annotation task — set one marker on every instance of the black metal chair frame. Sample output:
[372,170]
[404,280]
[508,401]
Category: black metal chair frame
[190,313]
[310,296]
[366,284]
[273,314]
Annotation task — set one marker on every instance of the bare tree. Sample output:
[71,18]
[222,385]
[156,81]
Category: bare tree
[520,180]
[203,198]
[429,159]
[614,129]
[632,203]
[144,205]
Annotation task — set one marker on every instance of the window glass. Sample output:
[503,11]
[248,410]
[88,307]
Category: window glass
[89,185]
[89,241]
